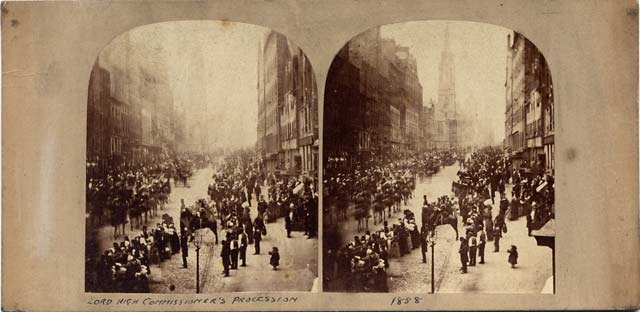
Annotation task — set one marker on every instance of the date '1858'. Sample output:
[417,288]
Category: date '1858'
[406,300]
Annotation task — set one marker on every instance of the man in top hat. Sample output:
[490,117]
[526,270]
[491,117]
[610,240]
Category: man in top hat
[423,243]
[243,246]
[224,254]
[482,241]
[496,238]
[184,247]
[464,254]
[234,246]
[257,237]
[473,247]
[262,207]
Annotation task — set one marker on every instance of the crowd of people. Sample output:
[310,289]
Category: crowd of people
[379,189]
[482,180]
[373,187]
[125,191]
[124,267]
[237,179]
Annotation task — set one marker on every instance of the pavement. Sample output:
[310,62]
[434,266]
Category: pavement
[298,255]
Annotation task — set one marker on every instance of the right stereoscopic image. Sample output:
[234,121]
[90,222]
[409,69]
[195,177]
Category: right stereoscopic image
[438,162]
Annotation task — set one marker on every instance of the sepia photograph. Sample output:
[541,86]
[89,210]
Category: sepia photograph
[201,162]
[438,162]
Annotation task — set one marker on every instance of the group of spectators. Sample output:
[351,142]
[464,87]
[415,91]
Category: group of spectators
[364,261]
[124,268]
[123,192]
[238,179]
[483,178]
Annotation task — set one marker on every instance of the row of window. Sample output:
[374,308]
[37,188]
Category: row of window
[288,131]
[533,128]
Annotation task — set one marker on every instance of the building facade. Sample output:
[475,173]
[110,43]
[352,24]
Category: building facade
[131,115]
[287,126]
[529,122]
[373,100]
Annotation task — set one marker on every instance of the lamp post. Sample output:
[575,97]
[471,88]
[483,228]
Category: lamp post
[197,242]
[432,240]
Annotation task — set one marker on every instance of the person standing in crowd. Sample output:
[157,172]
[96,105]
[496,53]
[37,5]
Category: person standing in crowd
[275,258]
[158,237]
[184,246]
[249,189]
[224,254]
[243,247]
[258,191]
[493,184]
[234,252]
[464,254]
[287,224]
[423,243]
[530,219]
[473,247]
[262,207]
[482,237]
[257,237]
[513,256]
[258,224]
[496,238]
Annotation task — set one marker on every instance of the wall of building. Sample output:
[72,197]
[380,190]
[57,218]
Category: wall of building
[529,104]
[287,108]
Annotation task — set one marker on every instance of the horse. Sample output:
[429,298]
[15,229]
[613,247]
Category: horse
[199,220]
[118,216]
[388,203]
[359,214]
[342,205]
[431,219]
[378,208]
[406,194]
[444,218]
[363,203]
[397,199]
[152,206]
[135,213]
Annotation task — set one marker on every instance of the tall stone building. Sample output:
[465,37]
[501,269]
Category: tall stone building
[529,113]
[98,116]
[272,55]
[287,108]
[373,100]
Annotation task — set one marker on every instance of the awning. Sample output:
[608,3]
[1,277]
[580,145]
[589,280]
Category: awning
[546,235]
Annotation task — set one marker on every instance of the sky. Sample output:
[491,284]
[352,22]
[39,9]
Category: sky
[480,56]
[208,67]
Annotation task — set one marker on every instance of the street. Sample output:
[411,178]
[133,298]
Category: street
[296,273]
[410,274]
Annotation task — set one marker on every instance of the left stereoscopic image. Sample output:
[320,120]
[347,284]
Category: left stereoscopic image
[202,161]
